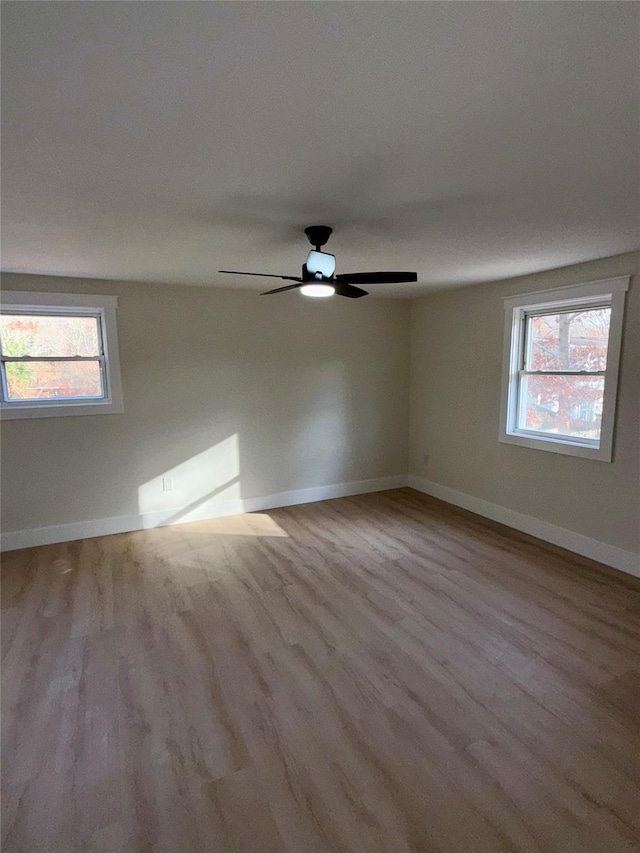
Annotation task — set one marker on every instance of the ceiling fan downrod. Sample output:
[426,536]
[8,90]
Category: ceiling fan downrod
[318,235]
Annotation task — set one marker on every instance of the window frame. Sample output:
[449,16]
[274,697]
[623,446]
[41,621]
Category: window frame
[103,308]
[606,293]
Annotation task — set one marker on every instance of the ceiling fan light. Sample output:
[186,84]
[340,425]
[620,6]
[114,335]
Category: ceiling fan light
[317,289]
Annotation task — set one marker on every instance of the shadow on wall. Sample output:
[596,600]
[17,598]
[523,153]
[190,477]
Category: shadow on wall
[206,485]
[187,491]
[301,442]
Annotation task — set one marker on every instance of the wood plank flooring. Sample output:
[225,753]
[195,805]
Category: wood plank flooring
[380,673]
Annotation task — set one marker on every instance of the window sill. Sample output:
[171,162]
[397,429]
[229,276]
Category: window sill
[46,410]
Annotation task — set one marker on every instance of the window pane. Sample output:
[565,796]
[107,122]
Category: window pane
[572,341]
[562,405]
[49,380]
[38,336]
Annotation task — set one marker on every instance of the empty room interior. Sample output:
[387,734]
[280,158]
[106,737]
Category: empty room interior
[320,383]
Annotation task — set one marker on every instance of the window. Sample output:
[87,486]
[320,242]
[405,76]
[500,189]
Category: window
[560,369]
[58,355]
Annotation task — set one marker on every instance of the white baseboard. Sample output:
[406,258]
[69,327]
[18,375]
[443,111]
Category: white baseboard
[14,540]
[625,561]
[618,558]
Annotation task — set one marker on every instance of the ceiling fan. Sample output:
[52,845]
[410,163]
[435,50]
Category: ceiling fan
[318,277]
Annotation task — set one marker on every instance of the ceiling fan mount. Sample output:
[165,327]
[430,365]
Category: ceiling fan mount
[318,272]
[318,235]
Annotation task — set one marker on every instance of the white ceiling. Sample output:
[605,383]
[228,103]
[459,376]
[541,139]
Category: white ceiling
[467,141]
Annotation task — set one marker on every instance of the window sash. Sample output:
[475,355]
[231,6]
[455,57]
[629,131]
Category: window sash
[49,311]
[525,333]
[562,372]
[38,311]
[557,436]
[31,358]
[567,309]
[520,401]
[6,399]
[520,406]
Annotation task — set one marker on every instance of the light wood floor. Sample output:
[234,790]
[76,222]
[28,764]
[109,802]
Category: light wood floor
[381,673]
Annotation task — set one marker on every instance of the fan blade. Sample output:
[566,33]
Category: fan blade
[264,275]
[280,289]
[376,277]
[343,289]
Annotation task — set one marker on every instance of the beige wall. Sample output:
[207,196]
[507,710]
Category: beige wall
[456,364]
[235,396]
[232,394]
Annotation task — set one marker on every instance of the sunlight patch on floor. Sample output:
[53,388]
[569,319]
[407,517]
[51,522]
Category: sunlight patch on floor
[248,524]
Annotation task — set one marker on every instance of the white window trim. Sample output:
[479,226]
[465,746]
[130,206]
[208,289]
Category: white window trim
[612,291]
[105,308]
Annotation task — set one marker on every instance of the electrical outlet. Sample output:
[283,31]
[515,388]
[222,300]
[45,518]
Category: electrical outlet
[167,484]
